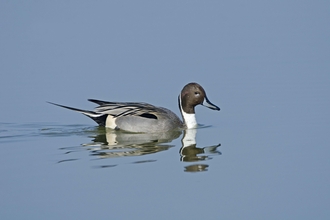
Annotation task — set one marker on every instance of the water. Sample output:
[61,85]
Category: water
[263,156]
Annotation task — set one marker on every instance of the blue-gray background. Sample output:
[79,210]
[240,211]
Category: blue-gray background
[266,64]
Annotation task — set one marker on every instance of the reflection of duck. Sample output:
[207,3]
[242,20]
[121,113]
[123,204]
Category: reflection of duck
[110,143]
[190,153]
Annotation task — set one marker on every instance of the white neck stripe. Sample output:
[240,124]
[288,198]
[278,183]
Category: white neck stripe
[189,119]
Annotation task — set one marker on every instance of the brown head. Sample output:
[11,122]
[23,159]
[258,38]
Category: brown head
[193,94]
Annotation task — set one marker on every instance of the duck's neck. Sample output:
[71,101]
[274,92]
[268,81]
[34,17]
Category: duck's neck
[188,119]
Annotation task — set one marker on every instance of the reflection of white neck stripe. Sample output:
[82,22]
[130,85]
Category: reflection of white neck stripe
[189,137]
[189,119]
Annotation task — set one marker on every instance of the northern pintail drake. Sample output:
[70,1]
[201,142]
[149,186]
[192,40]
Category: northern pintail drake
[146,118]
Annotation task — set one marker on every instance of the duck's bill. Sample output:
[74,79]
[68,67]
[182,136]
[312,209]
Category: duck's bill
[208,104]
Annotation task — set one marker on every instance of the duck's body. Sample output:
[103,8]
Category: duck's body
[143,117]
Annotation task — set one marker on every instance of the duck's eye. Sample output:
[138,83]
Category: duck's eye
[196,93]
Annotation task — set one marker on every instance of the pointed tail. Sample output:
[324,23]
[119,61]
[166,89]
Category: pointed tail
[97,117]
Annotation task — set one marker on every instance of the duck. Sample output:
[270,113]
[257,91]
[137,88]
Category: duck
[140,117]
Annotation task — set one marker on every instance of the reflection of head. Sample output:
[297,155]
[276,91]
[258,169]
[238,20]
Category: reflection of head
[190,153]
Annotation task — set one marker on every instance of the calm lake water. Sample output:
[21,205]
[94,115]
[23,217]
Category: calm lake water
[265,155]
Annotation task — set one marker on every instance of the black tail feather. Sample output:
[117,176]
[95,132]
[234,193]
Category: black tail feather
[73,109]
[100,120]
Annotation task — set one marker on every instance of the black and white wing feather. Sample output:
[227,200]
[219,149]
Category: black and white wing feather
[120,109]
